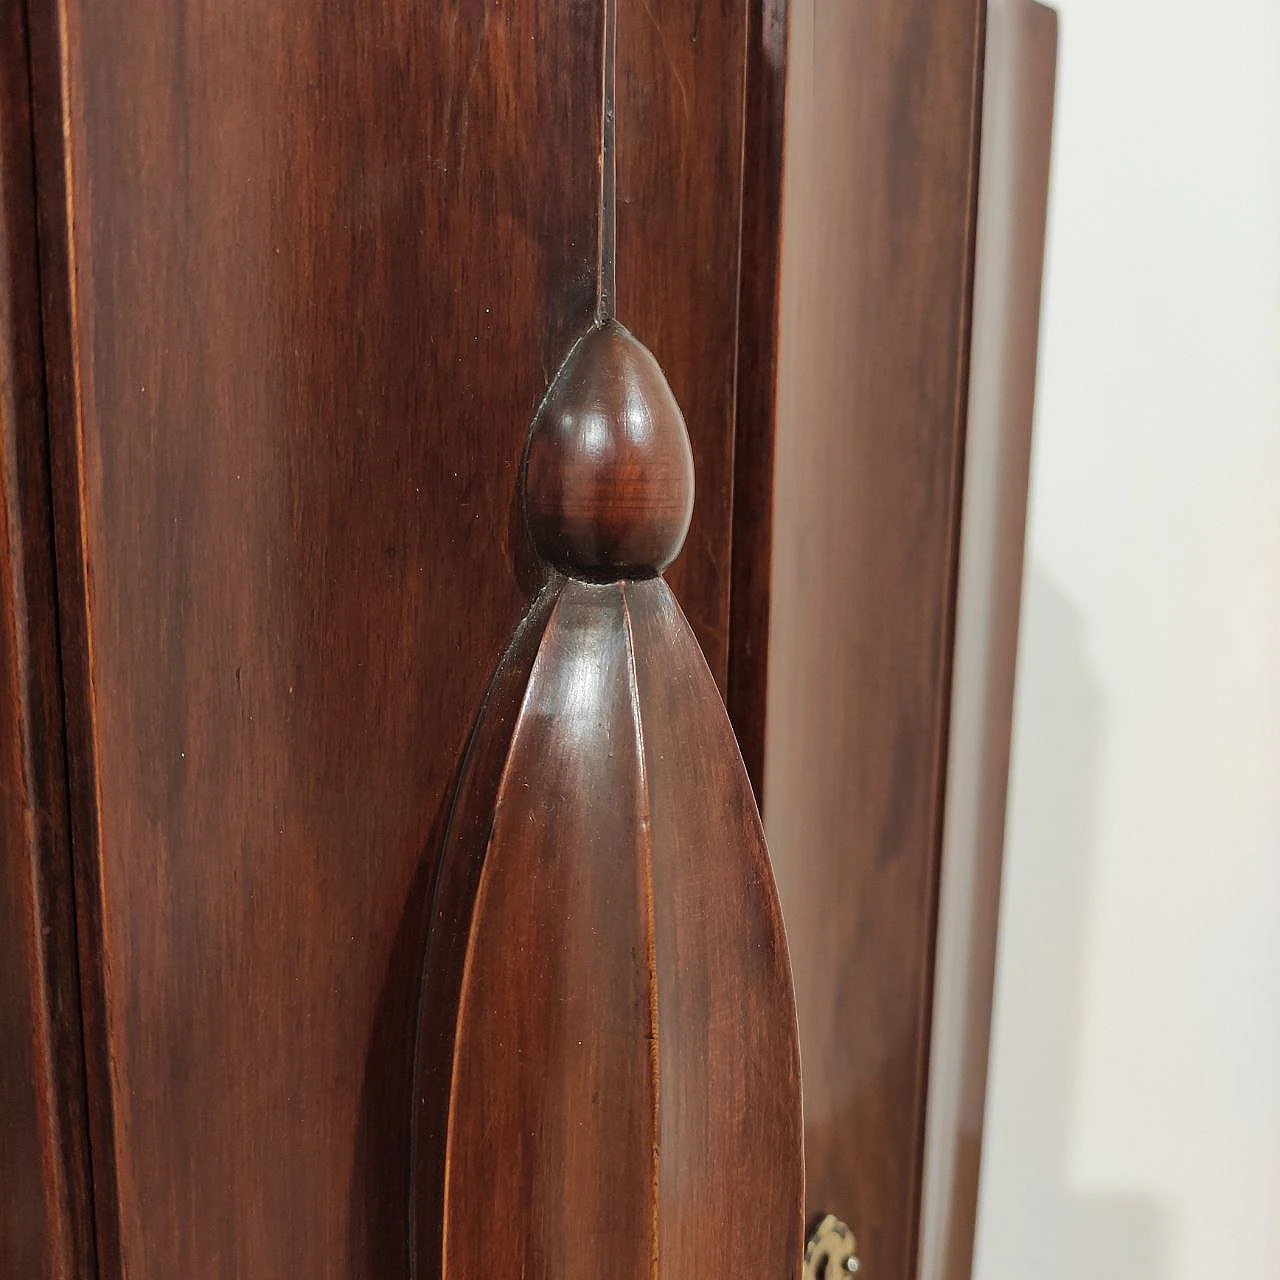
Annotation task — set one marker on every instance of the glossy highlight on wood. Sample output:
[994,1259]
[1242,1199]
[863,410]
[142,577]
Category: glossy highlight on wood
[288,536]
[304,274]
[882,118]
[609,473]
[281,289]
[46,1221]
[607,1056]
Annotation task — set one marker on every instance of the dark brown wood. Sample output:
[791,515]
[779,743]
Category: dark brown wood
[45,1210]
[607,1054]
[551,1132]
[680,96]
[452,899]
[607,1058]
[1013,195]
[757,382]
[283,448]
[604,502]
[730,1140]
[306,275]
[877,248]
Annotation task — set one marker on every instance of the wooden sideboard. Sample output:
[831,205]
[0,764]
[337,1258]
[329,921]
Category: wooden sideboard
[282,288]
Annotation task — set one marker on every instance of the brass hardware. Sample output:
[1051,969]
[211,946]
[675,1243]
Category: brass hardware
[831,1252]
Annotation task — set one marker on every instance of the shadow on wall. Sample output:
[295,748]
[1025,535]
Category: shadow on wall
[1032,1221]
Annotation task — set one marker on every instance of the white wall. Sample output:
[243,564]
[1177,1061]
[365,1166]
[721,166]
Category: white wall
[1133,1124]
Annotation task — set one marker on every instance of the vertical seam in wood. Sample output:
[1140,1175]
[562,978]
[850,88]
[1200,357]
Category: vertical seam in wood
[606,233]
[747,7]
[761,192]
[64,1110]
[644,847]
[64,416]
[924,1001]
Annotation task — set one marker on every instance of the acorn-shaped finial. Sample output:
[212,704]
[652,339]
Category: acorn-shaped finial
[608,474]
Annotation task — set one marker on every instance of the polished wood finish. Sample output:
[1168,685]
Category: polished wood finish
[608,1061]
[730,1139]
[757,388]
[608,476]
[281,440]
[1013,190]
[307,274]
[680,98]
[304,276]
[877,250]
[607,1051]
[45,1208]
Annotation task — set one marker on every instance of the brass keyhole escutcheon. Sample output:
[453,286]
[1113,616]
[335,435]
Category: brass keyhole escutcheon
[831,1252]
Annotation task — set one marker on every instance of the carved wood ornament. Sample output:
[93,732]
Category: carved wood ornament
[607,1072]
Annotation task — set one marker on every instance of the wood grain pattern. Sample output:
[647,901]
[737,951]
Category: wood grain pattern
[877,246]
[607,1053]
[759,300]
[552,1049]
[453,893]
[623,1070]
[680,101]
[287,454]
[730,1138]
[605,503]
[45,1212]
[306,273]
[1012,206]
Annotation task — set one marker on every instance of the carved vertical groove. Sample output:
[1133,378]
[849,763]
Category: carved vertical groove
[606,266]
[651,939]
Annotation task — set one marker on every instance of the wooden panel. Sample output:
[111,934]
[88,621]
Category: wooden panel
[876,258]
[1013,194]
[307,271]
[679,154]
[304,239]
[757,387]
[608,1057]
[45,1219]
[554,1045]
[626,1066]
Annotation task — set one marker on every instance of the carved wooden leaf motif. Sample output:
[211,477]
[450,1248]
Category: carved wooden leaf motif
[607,1072]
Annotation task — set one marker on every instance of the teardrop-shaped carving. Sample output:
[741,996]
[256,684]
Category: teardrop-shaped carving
[607,1069]
[609,471]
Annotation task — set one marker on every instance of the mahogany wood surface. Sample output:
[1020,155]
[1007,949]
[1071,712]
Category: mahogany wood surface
[757,388]
[305,274]
[876,257]
[680,105]
[730,1138]
[624,1067]
[1013,191]
[45,1210]
[608,474]
[307,271]
[607,1053]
